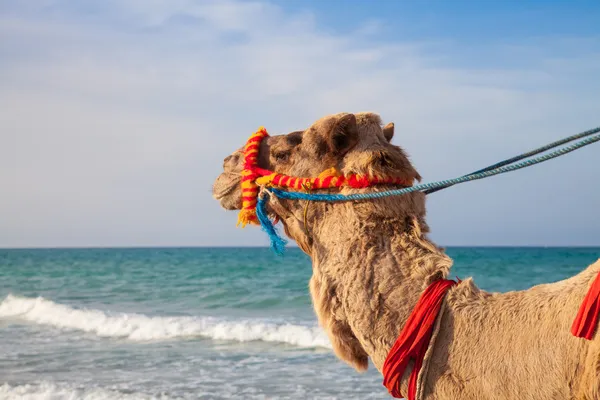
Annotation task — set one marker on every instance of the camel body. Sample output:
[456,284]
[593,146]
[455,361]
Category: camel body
[515,345]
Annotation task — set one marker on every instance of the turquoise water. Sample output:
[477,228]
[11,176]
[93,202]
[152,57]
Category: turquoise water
[197,323]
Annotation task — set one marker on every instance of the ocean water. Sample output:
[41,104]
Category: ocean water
[197,323]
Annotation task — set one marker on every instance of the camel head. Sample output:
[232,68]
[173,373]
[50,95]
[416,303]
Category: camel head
[350,143]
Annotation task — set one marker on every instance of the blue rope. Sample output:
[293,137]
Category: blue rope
[526,155]
[434,185]
[277,242]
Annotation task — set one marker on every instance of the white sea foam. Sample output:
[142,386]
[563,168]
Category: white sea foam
[139,327]
[52,391]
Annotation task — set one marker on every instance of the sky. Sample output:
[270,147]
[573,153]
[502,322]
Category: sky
[115,115]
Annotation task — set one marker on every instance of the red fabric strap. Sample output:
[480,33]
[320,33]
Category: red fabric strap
[586,321]
[413,341]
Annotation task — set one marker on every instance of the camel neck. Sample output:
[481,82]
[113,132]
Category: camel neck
[376,271]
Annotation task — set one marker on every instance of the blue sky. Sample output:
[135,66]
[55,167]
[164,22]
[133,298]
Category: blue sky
[115,115]
[467,21]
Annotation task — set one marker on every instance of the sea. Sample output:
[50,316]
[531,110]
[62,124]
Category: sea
[198,323]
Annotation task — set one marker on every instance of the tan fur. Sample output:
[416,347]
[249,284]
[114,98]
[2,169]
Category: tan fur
[372,260]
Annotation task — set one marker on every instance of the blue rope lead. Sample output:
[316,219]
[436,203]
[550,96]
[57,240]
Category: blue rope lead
[527,155]
[434,185]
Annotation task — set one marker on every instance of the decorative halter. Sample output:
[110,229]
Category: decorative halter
[253,177]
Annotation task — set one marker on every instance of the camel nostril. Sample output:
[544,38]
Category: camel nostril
[233,157]
[231,160]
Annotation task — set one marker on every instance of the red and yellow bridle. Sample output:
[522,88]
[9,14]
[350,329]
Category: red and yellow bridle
[253,177]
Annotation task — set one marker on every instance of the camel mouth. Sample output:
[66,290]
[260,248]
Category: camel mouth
[227,187]
[219,191]
[226,190]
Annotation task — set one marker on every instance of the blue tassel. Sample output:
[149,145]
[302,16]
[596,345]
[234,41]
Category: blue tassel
[277,242]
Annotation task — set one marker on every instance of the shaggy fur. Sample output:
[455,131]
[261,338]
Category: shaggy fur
[372,260]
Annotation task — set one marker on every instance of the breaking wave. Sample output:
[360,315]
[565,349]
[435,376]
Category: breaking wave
[49,390]
[139,327]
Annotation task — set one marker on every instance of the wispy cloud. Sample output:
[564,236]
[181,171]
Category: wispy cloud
[115,117]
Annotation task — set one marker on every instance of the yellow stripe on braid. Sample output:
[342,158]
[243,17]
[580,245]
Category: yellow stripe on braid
[329,172]
[266,180]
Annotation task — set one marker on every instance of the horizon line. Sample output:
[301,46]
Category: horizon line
[144,247]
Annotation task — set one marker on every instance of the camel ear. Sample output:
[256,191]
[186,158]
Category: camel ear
[344,134]
[388,131]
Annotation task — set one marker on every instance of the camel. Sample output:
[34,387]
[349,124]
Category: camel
[371,261]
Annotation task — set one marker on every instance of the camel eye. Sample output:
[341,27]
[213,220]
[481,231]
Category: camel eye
[282,156]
